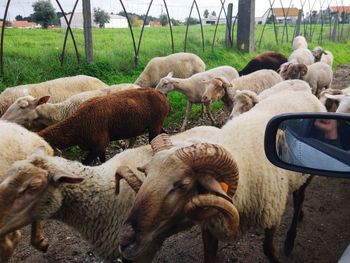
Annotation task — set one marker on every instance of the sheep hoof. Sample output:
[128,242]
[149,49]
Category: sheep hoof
[42,245]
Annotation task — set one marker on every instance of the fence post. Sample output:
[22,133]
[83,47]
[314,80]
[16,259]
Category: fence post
[246,25]
[87,30]
[298,23]
[335,28]
[228,36]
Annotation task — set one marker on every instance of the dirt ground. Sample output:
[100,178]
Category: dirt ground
[322,236]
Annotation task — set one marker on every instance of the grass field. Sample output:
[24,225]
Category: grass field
[32,55]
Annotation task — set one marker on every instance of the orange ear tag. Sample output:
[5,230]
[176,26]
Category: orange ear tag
[224,186]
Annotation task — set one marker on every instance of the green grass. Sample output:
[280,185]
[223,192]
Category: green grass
[32,56]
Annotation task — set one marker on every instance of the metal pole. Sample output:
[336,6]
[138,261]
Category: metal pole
[2,38]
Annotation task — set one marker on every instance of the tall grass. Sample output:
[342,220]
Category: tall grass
[32,55]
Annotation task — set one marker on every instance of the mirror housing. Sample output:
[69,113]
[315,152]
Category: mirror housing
[293,142]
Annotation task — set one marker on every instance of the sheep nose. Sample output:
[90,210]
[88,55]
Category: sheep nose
[204,99]
[126,237]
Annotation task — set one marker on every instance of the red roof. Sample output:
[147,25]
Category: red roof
[22,24]
[341,9]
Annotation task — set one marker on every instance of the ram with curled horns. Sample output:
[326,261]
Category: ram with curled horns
[226,185]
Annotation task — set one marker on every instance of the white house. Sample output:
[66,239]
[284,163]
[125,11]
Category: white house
[116,21]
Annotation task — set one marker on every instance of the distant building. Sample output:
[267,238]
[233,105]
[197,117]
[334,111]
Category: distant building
[212,20]
[116,21]
[340,9]
[23,24]
[154,23]
[281,14]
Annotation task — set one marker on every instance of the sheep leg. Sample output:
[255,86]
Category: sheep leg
[132,142]
[207,107]
[298,199]
[210,244]
[202,110]
[102,156]
[89,158]
[8,244]
[153,132]
[37,237]
[188,109]
[269,248]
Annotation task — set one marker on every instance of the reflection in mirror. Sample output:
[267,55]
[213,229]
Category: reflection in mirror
[315,143]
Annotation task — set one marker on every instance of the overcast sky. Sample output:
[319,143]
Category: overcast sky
[178,9]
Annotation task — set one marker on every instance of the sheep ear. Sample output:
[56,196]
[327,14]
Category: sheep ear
[40,150]
[170,74]
[43,100]
[123,172]
[334,97]
[63,177]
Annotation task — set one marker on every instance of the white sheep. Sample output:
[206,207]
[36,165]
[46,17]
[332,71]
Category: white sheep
[89,206]
[323,55]
[226,185]
[246,99]
[194,87]
[59,89]
[256,81]
[340,101]
[299,42]
[302,56]
[36,113]
[319,75]
[183,65]
[17,143]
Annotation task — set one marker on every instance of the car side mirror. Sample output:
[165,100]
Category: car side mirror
[312,143]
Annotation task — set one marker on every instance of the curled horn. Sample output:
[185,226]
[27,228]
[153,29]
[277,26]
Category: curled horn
[124,172]
[203,202]
[205,158]
[160,143]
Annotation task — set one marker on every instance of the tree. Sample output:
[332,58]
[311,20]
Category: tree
[19,18]
[206,13]
[44,13]
[192,21]
[163,19]
[213,13]
[101,17]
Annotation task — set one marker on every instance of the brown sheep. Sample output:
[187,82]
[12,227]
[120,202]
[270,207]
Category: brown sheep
[266,60]
[114,117]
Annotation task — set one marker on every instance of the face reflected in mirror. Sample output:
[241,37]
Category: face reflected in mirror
[315,143]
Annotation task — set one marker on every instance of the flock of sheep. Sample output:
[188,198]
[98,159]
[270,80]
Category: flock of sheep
[127,206]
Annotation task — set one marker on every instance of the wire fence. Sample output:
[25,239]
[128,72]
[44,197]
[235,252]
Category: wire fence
[280,20]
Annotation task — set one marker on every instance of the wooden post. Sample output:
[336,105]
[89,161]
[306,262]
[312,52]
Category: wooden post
[335,27]
[246,25]
[228,36]
[298,23]
[87,30]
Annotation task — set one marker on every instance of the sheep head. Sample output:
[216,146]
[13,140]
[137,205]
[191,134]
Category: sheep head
[243,101]
[23,111]
[317,52]
[214,89]
[294,71]
[31,191]
[330,103]
[343,101]
[181,184]
[166,84]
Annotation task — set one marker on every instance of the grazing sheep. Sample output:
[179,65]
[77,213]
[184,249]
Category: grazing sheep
[59,89]
[266,60]
[302,56]
[319,75]
[226,185]
[299,42]
[183,65]
[98,121]
[17,143]
[323,55]
[36,114]
[256,81]
[194,87]
[62,195]
[246,99]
